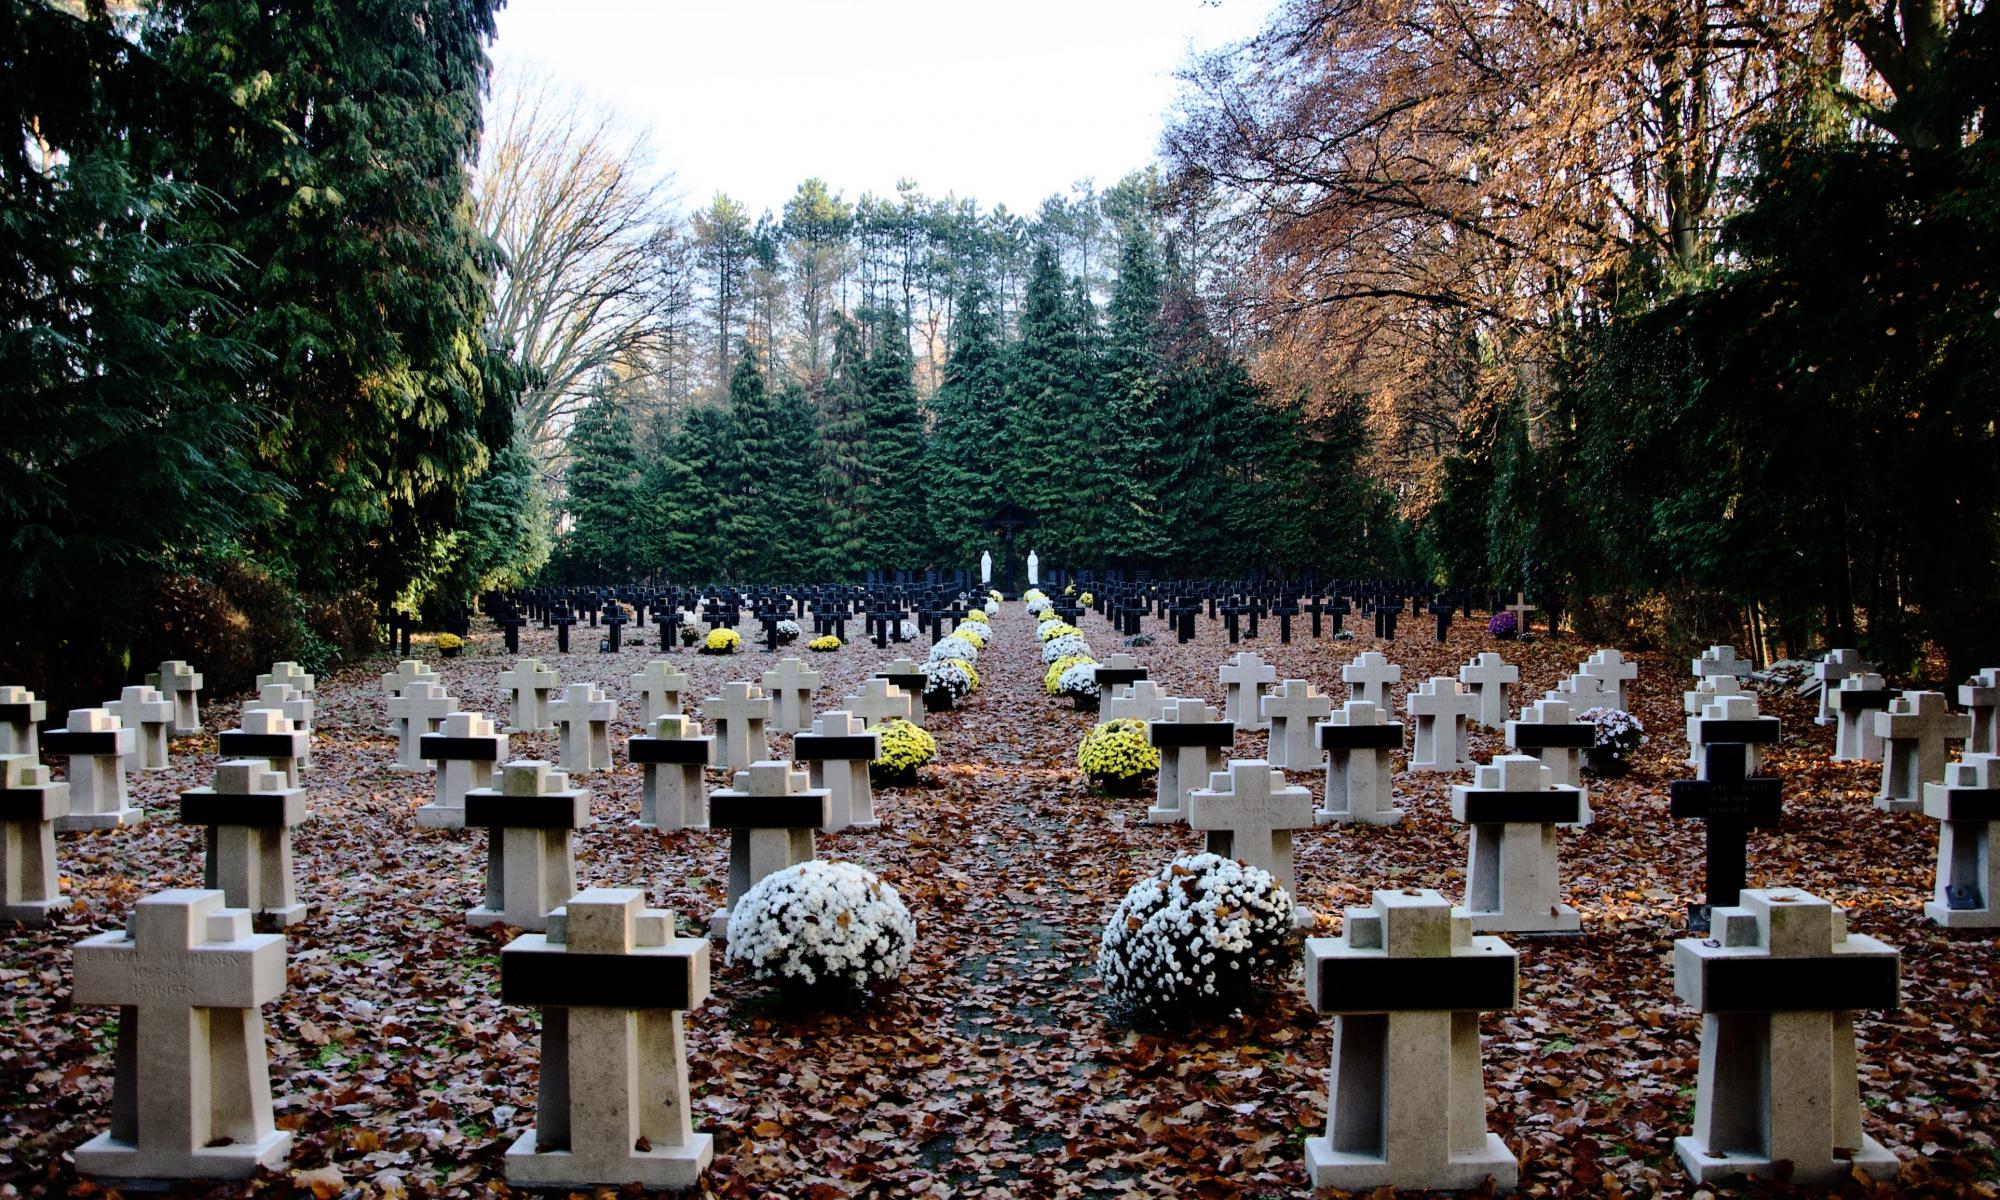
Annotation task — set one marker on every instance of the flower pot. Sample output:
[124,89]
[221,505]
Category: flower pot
[938,700]
[451,652]
[1605,764]
[884,777]
[1120,785]
[1085,703]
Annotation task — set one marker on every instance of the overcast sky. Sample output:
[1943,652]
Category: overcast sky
[1007,101]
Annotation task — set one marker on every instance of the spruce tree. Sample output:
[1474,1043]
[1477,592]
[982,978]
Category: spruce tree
[967,443]
[1117,486]
[842,434]
[752,465]
[599,486]
[893,477]
[1045,410]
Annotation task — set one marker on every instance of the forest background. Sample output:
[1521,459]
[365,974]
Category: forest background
[1678,314]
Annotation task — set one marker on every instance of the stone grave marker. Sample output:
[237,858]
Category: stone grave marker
[1244,679]
[770,812]
[96,746]
[193,1094]
[1730,802]
[1860,697]
[1549,730]
[1513,877]
[1291,710]
[1193,744]
[1733,719]
[296,707]
[1709,690]
[1358,739]
[1719,660]
[407,672]
[149,715]
[21,716]
[30,805]
[249,814]
[1778,1094]
[1406,981]
[1370,676]
[267,734]
[836,754]
[583,728]
[530,685]
[1585,692]
[468,753]
[1914,730]
[908,677]
[740,714]
[881,702]
[1617,672]
[1488,676]
[1836,666]
[611,1107]
[791,684]
[1968,870]
[1443,714]
[1249,813]
[1141,701]
[289,674]
[1980,697]
[673,795]
[662,685]
[531,819]
[1116,672]
[420,709]
[182,685]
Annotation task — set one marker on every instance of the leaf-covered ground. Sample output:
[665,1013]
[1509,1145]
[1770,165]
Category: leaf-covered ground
[995,1069]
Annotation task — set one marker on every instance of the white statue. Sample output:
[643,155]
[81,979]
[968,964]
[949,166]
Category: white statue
[1034,569]
[986,567]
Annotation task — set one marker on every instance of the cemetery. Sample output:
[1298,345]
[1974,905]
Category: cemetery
[1246,599]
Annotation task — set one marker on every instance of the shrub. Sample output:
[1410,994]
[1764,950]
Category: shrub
[229,626]
[905,747]
[1193,938]
[1117,751]
[721,641]
[823,643]
[824,925]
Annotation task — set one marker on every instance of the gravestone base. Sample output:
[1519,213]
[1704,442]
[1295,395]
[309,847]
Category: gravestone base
[1873,1160]
[1947,917]
[35,912]
[668,1168]
[1561,919]
[1899,804]
[437,816]
[269,920]
[117,818]
[1353,1172]
[159,1170]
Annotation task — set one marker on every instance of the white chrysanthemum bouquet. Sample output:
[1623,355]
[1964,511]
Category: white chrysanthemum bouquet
[822,923]
[1193,937]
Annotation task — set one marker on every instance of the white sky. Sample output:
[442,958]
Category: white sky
[1007,101]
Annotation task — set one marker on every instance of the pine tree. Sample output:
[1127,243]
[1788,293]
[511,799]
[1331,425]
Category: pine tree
[1117,488]
[842,434]
[892,462]
[1045,411]
[966,446]
[680,499]
[751,469]
[600,483]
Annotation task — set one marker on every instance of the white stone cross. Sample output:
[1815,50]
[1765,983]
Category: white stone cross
[674,757]
[583,728]
[1358,740]
[1443,714]
[1914,731]
[1407,1104]
[20,716]
[181,684]
[1733,709]
[1836,666]
[530,684]
[1291,710]
[1719,660]
[770,811]
[1521,608]
[1980,697]
[531,819]
[740,714]
[266,733]
[837,753]
[1778,1093]
[249,814]
[193,1098]
[1709,690]
[298,709]
[407,672]
[1513,875]
[792,683]
[662,685]
[468,753]
[1616,671]
[908,675]
[880,702]
[1138,701]
[418,710]
[1370,676]
[30,888]
[290,674]
[148,714]
[1549,730]
[1856,702]
[1489,676]
[1967,804]
[1193,742]
[612,981]
[1244,678]
[1585,692]
[96,746]
[1249,813]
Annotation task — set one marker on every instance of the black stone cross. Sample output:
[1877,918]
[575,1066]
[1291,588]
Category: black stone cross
[1732,803]
[1442,610]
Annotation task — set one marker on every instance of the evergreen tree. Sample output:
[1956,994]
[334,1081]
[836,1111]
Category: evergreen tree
[600,484]
[893,476]
[966,446]
[1116,489]
[1045,410]
[750,469]
[842,435]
